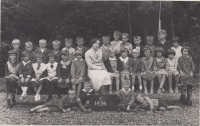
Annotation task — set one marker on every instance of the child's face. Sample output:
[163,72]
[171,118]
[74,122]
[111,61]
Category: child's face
[175,44]
[147,53]
[112,54]
[162,36]
[185,52]
[78,56]
[137,41]
[39,60]
[42,45]
[124,54]
[140,99]
[52,59]
[12,57]
[16,46]
[56,46]
[87,87]
[105,41]
[116,37]
[149,43]
[171,56]
[29,48]
[80,42]
[26,58]
[124,39]
[126,86]
[71,95]
[135,54]
[65,57]
[68,44]
[159,54]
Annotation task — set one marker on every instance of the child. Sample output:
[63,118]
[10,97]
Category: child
[25,73]
[162,68]
[53,75]
[148,69]
[186,69]
[29,51]
[176,47]
[127,97]
[56,51]
[65,75]
[144,102]
[105,47]
[43,50]
[78,71]
[69,49]
[38,76]
[162,42]
[65,104]
[16,44]
[111,66]
[137,40]
[173,63]
[136,69]
[117,43]
[81,47]
[150,45]
[85,93]
[11,78]
[124,65]
[126,44]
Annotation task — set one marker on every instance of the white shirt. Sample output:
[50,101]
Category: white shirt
[42,50]
[178,51]
[52,71]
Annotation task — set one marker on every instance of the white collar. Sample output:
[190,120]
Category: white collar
[80,48]
[126,43]
[24,63]
[79,60]
[112,58]
[65,63]
[125,90]
[124,60]
[88,91]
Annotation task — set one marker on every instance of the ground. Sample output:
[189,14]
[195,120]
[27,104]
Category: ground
[19,114]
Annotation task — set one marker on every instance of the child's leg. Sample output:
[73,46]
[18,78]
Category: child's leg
[140,82]
[110,87]
[102,90]
[122,80]
[176,83]
[39,89]
[189,94]
[133,82]
[74,86]
[170,82]
[152,86]
[37,108]
[183,92]
[127,76]
[59,92]
[117,83]
[86,106]
[79,89]
[80,105]
[173,107]
[145,87]
[122,107]
[43,109]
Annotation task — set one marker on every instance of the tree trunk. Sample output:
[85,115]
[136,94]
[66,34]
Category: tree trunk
[172,22]
[130,25]
[145,27]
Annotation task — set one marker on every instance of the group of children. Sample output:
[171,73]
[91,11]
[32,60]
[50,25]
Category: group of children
[125,62]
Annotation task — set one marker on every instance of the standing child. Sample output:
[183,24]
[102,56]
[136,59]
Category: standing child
[136,69]
[11,78]
[137,40]
[150,45]
[43,50]
[38,76]
[25,73]
[162,68]
[69,49]
[16,44]
[53,75]
[186,68]
[81,47]
[173,72]
[126,44]
[111,66]
[65,73]
[56,51]
[29,51]
[117,43]
[148,69]
[176,47]
[105,47]
[124,65]
[78,71]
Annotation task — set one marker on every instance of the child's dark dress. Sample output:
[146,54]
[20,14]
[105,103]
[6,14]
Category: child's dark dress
[84,95]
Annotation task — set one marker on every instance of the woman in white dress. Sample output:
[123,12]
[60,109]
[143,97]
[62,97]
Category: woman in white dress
[96,69]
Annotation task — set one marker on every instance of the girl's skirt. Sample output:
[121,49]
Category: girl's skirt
[77,81]
[148,76]
[35,83]
[162,71]
[63,84]
[25,84]
[187,80]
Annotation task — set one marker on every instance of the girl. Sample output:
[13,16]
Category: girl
[11,78]
[173,62]
[78,71]
[65,67]
[117,43]
[148,68]
[38,76]
[124,66]
[25,73]
[186,68]
[162,68]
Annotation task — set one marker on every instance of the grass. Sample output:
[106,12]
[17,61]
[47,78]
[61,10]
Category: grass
[19,114]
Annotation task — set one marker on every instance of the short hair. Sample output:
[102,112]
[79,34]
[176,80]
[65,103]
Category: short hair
[186,47]
[159,49]
[94,40]
[78,52]
[12,52]
[125,34]
[68,39]
[87,83]
[171,51]
[43,40]
[28,43]
[147,48]
[79,38]
[39,55]
[150,38]
[176,39]
[127,81]
[105,37]
[56,42]
[71,91]
[124,50]
[117,32]
[111,51]
[162,31]
[136,37]
[134,50]
[65,53]
[16,41]
[24,54]
[51,55]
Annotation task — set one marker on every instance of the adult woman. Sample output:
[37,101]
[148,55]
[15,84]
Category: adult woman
[96,69]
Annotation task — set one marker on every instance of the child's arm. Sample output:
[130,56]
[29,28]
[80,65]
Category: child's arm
[176,64]
[30,71]
[142,67]
[20,70]
[150,103]
[73,70]
[58,71]
[192,66]
[83,70]
[166,65]
[6,71]
[132,98]
[69,70]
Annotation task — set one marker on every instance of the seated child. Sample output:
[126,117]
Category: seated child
[25,73]
[78,71]
[56,51]
[38,76]
[124,65]
[29,51]
[162,68]
[106,47]
[81,47]
[111,66]
[43,50]
[16,45]
[69,49]
[173,72]
[65,73]
[127,97]
[65,104]
[136,69]
[85,93]
[144,102]
[11,77]
[117,43]
[126,44]
[137,45]
[150,45]
[176,47]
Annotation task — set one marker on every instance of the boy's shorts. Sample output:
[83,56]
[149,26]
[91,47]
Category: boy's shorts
[51,106]
[162,104]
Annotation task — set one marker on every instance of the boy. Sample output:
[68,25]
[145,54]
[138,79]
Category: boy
[29,51]
[176,47]
[126,44]
[85,93]
[43,50]
[137,40]
[150,45]
[16,44]
[117,43]
[105,47]
[162,42]
[81,47]
[127,97]
[68,48]
[56,51]
[65,104]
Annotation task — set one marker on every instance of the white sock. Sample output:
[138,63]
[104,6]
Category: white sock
[25,90]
